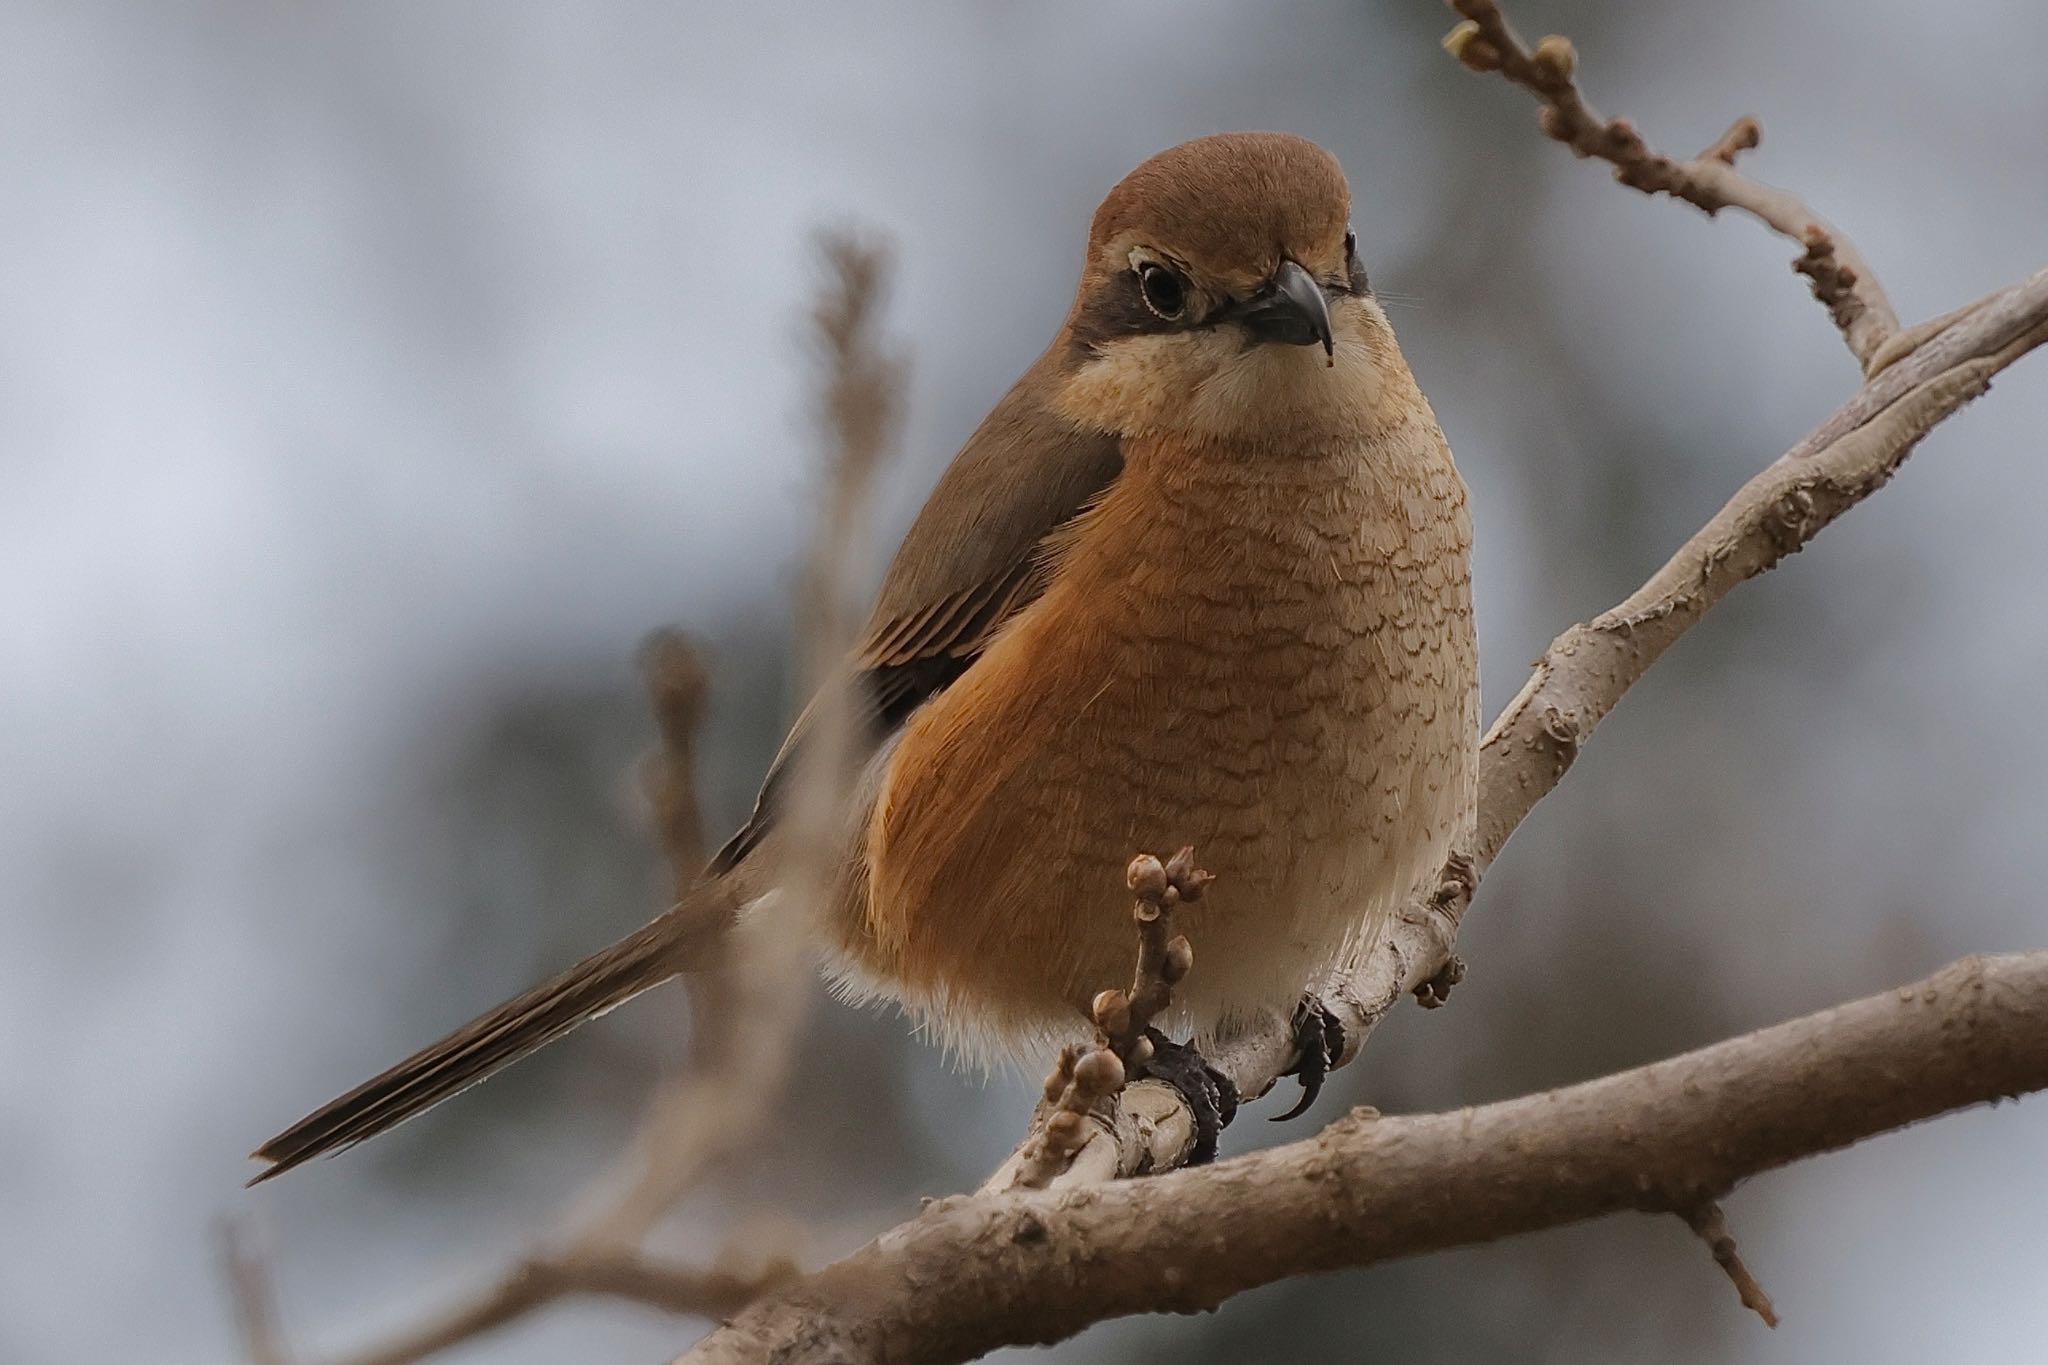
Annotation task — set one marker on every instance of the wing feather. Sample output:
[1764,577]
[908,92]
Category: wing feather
[976,556]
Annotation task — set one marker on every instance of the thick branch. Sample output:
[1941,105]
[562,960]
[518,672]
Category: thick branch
[1848,457]
[1670,1137]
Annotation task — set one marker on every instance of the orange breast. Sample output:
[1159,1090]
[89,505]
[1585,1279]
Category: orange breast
[1272,660]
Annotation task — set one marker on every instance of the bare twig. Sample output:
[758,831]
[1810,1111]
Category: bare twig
[1710,1225]
[1840,278]
[976,1272]
[1164,957]
[1742,135]
[253,1293]
[677,692]
[1083,1080]
[861,404]
[747,1015]
[536,1282]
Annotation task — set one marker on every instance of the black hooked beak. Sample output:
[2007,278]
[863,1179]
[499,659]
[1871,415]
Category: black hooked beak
[1290,307]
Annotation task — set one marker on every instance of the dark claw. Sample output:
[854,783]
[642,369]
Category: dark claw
[1318,1041]
[1209,1093]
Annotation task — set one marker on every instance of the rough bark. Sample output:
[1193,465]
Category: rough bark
[976,1272]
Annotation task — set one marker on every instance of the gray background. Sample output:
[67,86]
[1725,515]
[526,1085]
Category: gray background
[372,376]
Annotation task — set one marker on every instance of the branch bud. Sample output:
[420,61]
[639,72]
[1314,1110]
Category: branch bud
[1557,58]
[1112,1012]
[1147,878]
[1473,51]
[1099,1074]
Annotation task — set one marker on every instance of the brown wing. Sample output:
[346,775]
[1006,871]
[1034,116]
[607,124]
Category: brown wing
[971,560]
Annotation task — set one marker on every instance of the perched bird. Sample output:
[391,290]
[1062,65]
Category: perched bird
[1202,577]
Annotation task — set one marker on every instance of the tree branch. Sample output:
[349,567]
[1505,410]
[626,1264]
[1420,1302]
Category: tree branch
[1670,1137]
[1840,278]
[252,1293]
[678,692]
[530,1285]
[1710,1225]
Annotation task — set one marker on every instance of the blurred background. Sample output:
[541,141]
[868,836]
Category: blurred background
[374,376]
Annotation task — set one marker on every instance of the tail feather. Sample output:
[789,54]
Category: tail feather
[605,979]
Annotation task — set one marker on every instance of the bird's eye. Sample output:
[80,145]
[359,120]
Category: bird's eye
[1165,293]
[1355,272]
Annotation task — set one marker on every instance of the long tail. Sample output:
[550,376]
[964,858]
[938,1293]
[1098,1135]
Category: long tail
[643,959]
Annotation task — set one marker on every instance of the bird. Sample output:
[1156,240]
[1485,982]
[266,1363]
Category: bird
[1202,576]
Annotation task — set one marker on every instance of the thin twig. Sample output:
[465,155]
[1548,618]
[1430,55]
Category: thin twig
[1164,957]
[1840,278]
[1083,1081]
[1710,1225]
[536,1282]
[254,1294]
[747,1015]
[678,689]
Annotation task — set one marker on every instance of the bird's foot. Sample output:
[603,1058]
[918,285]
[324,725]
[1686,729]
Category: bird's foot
[1318,1041]
[1211,1095]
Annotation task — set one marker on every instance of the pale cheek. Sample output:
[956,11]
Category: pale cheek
[1142,384]
[1277,389]
[1210,385]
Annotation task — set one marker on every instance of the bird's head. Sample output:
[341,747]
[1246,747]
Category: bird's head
[1223,298]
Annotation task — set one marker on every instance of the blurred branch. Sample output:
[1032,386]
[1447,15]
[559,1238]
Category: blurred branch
[253,1294]
[747,1001]
[534,1283]
[861,403]
[1840,278]
[678,691]
[976,1272]
[747,1012]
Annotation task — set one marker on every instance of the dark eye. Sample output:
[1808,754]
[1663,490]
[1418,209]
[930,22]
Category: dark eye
[1165,292]
[1356,272]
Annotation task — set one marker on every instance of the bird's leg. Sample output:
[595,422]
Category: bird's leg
[1318,1041]
[1211,1095]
